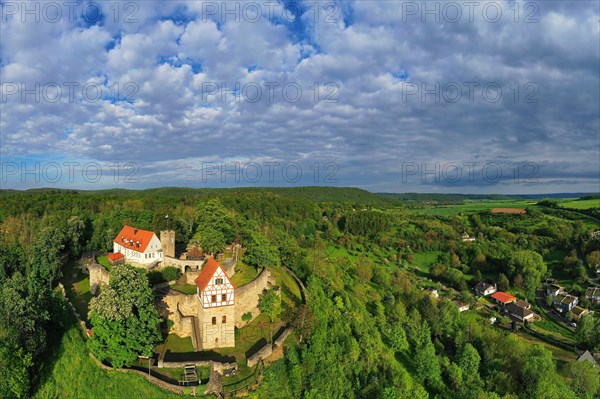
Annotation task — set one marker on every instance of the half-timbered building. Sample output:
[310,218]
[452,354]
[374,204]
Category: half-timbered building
[216,294]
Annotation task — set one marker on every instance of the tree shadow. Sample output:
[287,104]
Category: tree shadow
[255,348]
[198,356]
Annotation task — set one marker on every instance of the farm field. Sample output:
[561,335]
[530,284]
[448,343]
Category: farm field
[474,206]
[581,204]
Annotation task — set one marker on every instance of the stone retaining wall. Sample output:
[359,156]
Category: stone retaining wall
[262,353]
[286,333]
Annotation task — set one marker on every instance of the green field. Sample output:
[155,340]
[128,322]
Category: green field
[71,373]
[474,206]
[424,260]
[581,204]
[558,354]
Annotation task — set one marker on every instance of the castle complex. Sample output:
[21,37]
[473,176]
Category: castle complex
[209,316]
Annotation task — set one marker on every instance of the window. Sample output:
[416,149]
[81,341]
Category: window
[214,321]
[218,281]
[224,319]
[223,297]
[213,298]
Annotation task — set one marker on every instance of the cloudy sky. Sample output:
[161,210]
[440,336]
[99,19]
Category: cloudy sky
[395,96]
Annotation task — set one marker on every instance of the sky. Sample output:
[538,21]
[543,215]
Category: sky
[389,96]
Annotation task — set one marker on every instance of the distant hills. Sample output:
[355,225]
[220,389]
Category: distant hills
[315,193]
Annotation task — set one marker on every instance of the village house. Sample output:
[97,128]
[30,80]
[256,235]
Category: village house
[137,247]
[467,238]
[587,357]
[520,313]
[579,312]
[502,298]
[484,289]
[461,306]
[523,304]
[553,290]
[565,302]
[593,294]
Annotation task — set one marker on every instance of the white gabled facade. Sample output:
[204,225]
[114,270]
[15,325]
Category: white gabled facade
[218,292]
[138,246]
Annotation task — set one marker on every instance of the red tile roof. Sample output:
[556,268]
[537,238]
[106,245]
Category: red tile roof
[129,236]
[208,270]
[115,256]
[503,297]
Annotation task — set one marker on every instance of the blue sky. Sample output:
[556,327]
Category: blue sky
[396,96]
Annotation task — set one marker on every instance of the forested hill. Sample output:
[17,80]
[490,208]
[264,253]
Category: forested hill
[370,328]
[312,193]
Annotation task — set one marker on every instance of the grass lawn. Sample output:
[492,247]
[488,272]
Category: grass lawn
[424,260]
[290,292]
[69,372]
[554,331]
[103,261]
[558,354]
[77,287]
[184,288]
[243,273]
[556,256]
[179,345]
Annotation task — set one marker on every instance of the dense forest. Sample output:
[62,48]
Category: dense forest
[370,330]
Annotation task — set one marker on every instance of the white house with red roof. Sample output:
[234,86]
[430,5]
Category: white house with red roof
[137,246]
[216,294]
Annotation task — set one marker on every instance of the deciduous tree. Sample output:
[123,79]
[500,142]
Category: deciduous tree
[124,318]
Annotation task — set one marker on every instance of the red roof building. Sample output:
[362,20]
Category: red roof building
[503,298]
[214,286]
[134,239]
[115,256]
[140,247]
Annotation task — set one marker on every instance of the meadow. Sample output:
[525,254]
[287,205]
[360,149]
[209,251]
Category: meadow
[71,373]
[474,206]
[580,204]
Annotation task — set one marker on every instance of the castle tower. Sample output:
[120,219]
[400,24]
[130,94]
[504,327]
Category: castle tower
[167,241]
[216,316]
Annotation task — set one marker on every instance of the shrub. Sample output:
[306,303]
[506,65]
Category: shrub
[155,277]
[171,273]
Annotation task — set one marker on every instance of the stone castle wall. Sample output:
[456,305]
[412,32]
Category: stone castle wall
[190,277]
[248,295]
[98,277]
[178,308]
[182,263]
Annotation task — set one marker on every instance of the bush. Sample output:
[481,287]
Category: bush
[171,273]
[155,277]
